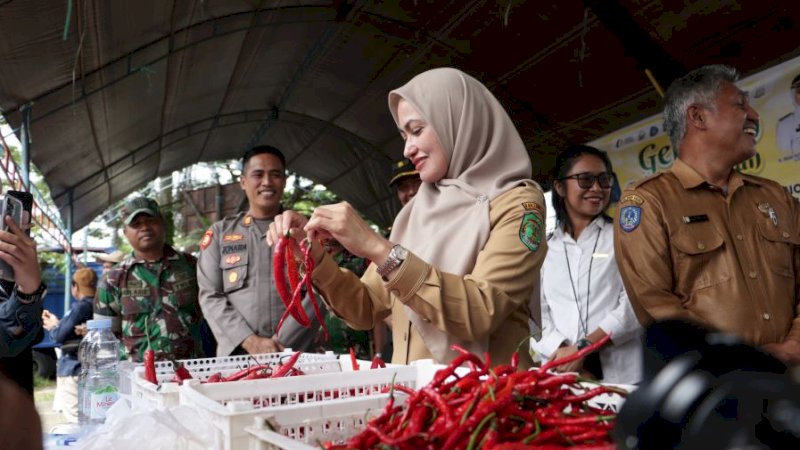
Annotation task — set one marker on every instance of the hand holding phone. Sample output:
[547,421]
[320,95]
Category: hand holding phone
[18,258]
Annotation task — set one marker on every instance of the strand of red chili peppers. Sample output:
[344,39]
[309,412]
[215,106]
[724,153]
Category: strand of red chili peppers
[279,263]
[487,408]
[293,303]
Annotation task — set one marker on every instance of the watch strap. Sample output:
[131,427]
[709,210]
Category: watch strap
[391,263]
[33,296]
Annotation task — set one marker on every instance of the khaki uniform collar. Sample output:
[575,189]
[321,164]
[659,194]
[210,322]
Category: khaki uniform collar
[690,178]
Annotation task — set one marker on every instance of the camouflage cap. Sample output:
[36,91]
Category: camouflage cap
[141,205]
[402,169]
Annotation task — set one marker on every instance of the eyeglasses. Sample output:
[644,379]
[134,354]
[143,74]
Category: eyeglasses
[586,180]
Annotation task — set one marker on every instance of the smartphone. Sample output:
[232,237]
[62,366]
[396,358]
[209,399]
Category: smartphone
[9,206]
[27,207]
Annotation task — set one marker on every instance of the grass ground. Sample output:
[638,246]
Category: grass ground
[44,391]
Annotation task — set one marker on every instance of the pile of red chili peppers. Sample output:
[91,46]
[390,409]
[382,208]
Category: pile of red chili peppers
[254,372]
[492,408]
[291,293]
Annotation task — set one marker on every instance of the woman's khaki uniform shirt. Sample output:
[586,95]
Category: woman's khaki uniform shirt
[727,262]
[491,301]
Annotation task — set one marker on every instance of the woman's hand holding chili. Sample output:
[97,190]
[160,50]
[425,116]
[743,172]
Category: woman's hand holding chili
[342,222]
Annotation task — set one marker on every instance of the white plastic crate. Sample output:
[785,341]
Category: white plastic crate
[294,427]
[233,406]
[305,426]
[145,394]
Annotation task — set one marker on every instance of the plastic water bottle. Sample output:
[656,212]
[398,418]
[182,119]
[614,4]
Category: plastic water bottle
[84,349]
[101,387]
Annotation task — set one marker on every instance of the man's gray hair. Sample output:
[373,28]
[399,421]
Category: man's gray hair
[699,86]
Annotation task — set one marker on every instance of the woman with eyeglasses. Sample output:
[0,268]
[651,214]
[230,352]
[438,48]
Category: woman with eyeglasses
[582,295]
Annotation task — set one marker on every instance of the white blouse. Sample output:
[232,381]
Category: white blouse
[565,278]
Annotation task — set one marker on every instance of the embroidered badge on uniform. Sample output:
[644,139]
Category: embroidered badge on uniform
[206,239]
[232,259]
[530,231]
[629,218]
[532,206]
[232,237]
[632,198]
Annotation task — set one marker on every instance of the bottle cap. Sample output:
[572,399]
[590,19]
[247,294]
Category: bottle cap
[98,324]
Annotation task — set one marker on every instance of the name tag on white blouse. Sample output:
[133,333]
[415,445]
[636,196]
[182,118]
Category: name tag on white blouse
[599,255]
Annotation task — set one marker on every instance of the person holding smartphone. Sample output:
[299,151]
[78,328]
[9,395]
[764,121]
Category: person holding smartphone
[20,301]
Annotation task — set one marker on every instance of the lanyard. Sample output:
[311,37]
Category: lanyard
[584,323]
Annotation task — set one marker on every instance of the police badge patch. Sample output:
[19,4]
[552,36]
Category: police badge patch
[629,218]
[530,231]
[206,240]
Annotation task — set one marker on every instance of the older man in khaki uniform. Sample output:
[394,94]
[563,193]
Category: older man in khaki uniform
[234,271]
[703,242]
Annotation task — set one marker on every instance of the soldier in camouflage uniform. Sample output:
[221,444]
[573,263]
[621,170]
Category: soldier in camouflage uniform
[152,294]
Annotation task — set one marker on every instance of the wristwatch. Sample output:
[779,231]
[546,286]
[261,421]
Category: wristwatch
[582,343]
[397,255]
[34,296]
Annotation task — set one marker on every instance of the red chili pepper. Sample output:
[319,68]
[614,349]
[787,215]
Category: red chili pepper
[214,378]
[284,369]
[377,362]
[150,366]
[295,309]
[181,371]
[353,360]
[278,262]
[291,265]
[244,372]
[575,356]
[308,259]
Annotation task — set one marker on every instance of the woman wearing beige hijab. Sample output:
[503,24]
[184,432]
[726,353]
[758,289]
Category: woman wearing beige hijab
[462,262]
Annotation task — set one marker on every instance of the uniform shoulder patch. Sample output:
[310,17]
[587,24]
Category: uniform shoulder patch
[205,241]
[632,199]
[630,217]
[530,231]
[532,206]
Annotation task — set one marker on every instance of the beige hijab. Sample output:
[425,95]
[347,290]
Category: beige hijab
[447,222]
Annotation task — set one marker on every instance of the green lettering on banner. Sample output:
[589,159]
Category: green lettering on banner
[651,160]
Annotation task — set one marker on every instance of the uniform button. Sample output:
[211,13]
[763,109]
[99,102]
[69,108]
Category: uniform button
[765,316]
[752,274]
[426,320]
[785,235]
[701,246]
[739,237]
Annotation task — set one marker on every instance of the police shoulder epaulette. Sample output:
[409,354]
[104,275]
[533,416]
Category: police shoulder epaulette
[641,181]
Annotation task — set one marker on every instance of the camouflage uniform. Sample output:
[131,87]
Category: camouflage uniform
[157,296]
[343,337]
